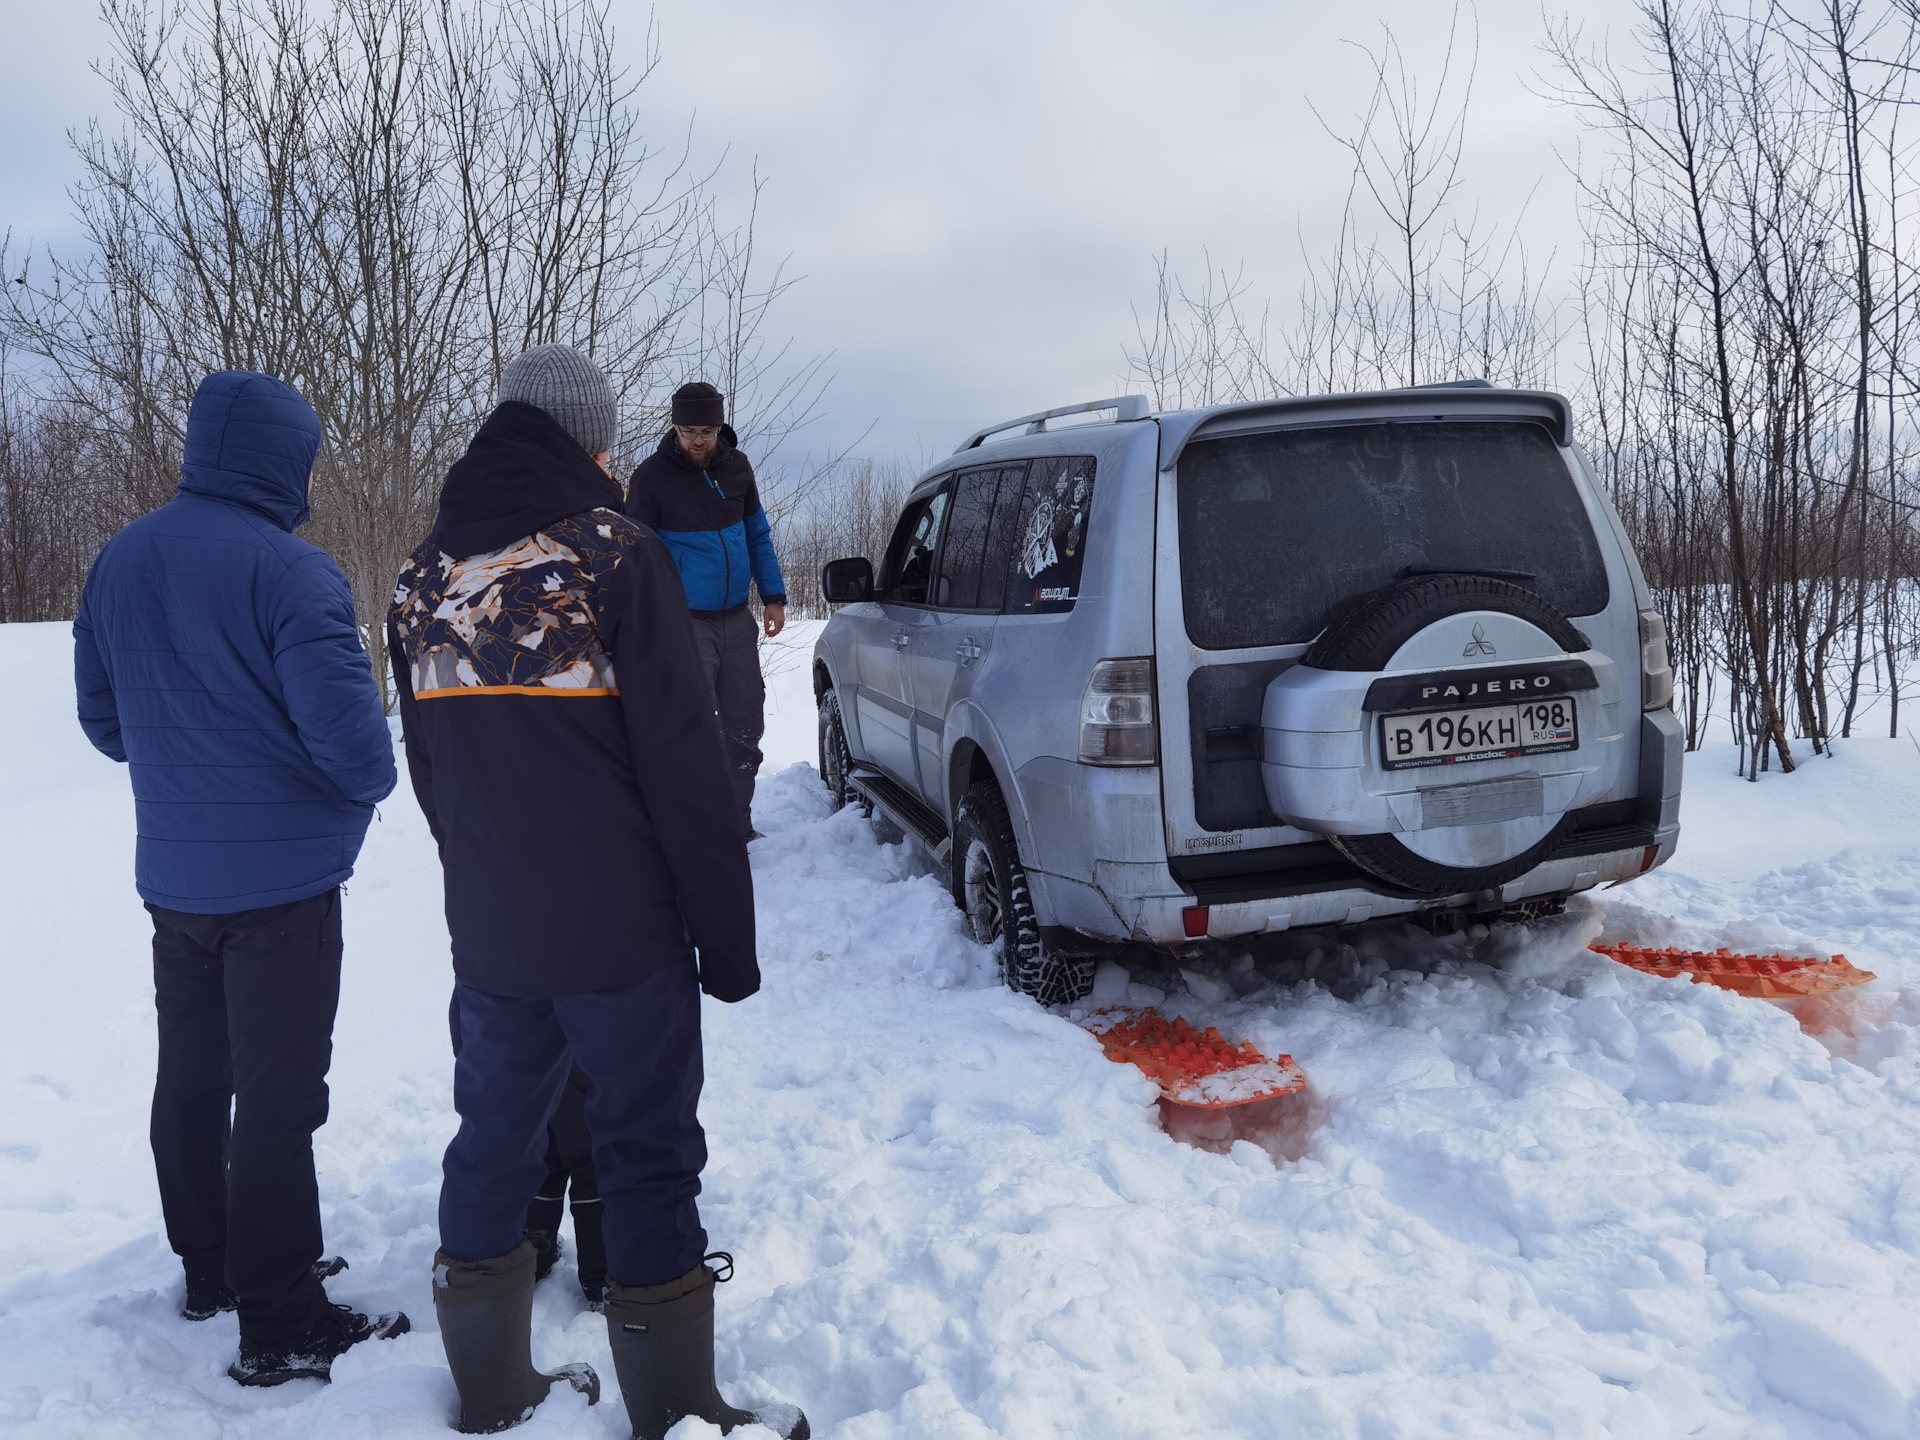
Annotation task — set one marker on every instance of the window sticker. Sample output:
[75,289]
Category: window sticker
[1052,546]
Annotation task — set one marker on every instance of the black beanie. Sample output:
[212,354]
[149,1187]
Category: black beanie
[699,404]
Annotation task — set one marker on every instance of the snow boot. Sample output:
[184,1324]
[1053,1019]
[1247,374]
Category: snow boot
[338,1329]
[485,1308]
[207,1292]
[662,1339]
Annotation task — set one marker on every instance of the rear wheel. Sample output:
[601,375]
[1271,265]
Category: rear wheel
[991,886]
[836,757]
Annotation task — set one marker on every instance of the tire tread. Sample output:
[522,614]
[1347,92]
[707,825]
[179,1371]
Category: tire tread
[1026,963]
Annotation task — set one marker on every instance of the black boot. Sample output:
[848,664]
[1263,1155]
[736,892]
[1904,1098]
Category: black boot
[546,1252]
[207,1292]
[592,1251]
[543,1215]
[310,1357]
[662,1339]
[485,1308]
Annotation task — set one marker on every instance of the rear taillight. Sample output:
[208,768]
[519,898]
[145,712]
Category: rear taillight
[1116,715]
[1656,668]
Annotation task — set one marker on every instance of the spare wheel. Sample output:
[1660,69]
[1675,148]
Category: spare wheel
[1433,732]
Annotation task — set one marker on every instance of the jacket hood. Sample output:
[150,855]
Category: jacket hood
[251,440]
[670,447]
[522,472]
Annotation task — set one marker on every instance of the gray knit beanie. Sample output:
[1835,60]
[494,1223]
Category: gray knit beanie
[568,386]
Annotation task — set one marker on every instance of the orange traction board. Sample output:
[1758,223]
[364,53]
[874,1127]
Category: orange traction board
[1763,977]
[1194,1067]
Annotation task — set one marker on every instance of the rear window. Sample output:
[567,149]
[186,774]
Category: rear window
[1277,529]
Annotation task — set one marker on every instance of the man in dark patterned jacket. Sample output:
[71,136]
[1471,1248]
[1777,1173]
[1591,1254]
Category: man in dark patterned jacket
[561,739]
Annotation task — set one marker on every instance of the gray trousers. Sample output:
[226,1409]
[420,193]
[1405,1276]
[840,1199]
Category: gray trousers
[729,646]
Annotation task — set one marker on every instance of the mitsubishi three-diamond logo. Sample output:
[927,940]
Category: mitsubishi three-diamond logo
[1479,645]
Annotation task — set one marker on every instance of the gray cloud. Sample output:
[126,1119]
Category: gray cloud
[974,192]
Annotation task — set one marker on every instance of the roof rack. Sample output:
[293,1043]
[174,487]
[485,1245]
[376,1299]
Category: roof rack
[1125,408]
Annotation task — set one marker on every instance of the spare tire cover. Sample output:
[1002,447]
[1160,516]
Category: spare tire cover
[1460,641]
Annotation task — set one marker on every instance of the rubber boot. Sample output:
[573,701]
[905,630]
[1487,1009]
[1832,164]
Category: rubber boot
[662,1339]
[485,1308]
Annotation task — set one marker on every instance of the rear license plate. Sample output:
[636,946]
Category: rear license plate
[1486,732]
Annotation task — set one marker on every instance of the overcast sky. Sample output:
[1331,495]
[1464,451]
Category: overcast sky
[974,192]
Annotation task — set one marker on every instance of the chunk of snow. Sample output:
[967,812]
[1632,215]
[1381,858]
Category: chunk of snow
[1842,1354]
[1205,987]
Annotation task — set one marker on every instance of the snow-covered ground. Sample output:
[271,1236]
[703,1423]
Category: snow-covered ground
[1546,1196]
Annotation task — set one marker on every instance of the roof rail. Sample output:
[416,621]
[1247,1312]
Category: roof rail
[1126,407]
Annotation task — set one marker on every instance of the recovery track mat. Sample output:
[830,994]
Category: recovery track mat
[1193,1067]
[1763,977]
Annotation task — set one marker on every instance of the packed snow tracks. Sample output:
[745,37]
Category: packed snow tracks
[1543,1193]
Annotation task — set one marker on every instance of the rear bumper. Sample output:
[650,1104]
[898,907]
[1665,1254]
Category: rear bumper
[1162,922]
[1252,904]
[1252,892]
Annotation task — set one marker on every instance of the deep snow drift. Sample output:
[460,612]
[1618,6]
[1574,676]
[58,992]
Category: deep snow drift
[1547,1196]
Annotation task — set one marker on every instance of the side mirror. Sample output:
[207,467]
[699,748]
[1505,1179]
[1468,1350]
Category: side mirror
[846,582]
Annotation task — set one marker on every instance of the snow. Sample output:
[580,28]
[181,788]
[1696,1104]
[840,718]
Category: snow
[1545,1195]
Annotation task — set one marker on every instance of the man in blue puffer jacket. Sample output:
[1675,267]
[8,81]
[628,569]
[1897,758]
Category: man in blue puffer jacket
[698,492]
[218,656]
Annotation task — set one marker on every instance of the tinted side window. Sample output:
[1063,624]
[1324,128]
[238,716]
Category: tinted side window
[1277,529]
[1050,539]
[986,505]
[910,557]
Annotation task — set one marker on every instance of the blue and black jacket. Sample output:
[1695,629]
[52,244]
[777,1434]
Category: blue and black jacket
[712,523]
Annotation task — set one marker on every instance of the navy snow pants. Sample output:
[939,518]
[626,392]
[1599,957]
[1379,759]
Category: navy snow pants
[246,1004]
[639,1048]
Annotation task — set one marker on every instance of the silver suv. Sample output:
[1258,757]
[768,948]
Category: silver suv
[1210,674]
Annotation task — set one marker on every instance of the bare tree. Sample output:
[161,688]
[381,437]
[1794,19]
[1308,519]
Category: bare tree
[1743,303]
[380,201]
[1409,290]
[851,513]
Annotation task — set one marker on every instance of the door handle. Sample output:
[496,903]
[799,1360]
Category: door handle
[968,652]
[903,639]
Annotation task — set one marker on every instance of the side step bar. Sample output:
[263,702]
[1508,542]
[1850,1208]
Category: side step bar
[906,810]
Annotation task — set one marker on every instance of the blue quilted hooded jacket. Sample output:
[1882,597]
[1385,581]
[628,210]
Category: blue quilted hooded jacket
[219,657]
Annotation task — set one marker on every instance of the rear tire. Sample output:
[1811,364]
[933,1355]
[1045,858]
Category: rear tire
[991,886]
[836,758]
